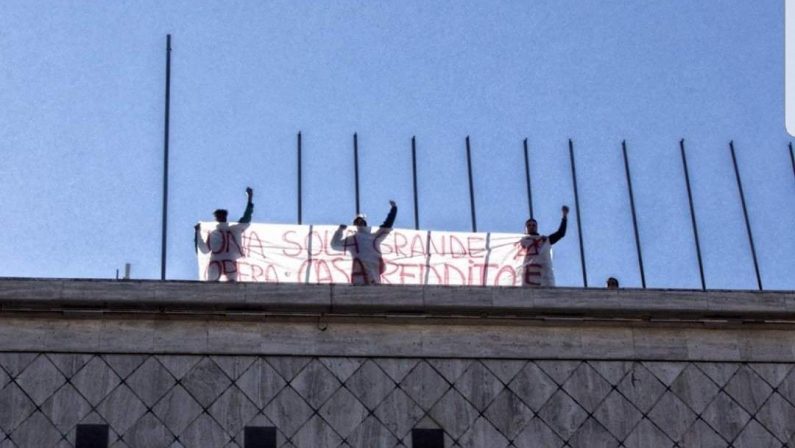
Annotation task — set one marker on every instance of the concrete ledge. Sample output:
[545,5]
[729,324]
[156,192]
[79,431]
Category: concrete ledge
[101,316]
[477,338]
[200,297]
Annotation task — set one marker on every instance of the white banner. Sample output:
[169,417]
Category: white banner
[370,255]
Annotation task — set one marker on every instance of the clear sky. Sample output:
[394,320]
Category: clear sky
[81,126]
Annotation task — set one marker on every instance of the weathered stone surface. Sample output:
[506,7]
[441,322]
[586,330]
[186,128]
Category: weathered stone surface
[288,411]
[505,370]
[234,366]
[563,414]
[725,416]
[641,388]
[454,413]
[773,373]
[178,365]
[371,433]
[508,414]
[592,434]
[261,383]
[204,431]
[148,431]
[316,433]
[587,387]
[646,435]
[123,365]
[667,372]
[533,386]
[559,371]
[748,389]
[450,369]
[618,415]
[95,380]
[40,379]
[206,382]
[65,408]
[612,371]
[478,385]
[288,366]
[777,415]
[129,336]
[342,368]
[343,412]
[121,409]
[720,372]
[36,431]
[424,385]
[177,409]
[694,388]
[370,385]
[233,410]
[482,433]
[315,384]
[495,367]
[755,436]
[537,435]
[151,380]
[399,412]
[672,416]
[561,417]
[701,435]
[69,364]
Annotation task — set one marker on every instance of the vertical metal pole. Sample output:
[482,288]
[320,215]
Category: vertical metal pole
[471,189]
[792,158]
[356,167]
[527,179]
[165,161]
[634,216]
[692,214]
[577,208]
[745,214]
[414,175]
[299,178]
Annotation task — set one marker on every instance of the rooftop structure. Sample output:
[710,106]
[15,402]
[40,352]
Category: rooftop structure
[196,364]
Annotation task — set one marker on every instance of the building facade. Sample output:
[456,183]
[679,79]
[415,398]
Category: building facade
[184,364]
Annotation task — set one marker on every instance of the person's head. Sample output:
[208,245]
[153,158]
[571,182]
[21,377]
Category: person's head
[360,220]
[531,226]
[612,283]
[220,215]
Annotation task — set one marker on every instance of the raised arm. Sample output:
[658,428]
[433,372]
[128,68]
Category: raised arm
[390,218]
[198,243]
[246,218]
[337,241]
[561,232]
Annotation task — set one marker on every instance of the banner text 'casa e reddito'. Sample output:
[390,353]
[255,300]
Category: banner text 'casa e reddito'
[370,255]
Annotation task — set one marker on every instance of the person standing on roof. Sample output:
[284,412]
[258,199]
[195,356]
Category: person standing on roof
[362,243]
[224,242]
[536,269]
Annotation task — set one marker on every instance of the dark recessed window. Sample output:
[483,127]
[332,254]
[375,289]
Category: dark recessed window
[91,436]
[427,438]
[259,437]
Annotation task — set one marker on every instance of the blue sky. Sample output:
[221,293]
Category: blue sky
[81,126]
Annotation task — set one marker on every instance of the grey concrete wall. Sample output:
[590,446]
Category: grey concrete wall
[206,401]
[185,364]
